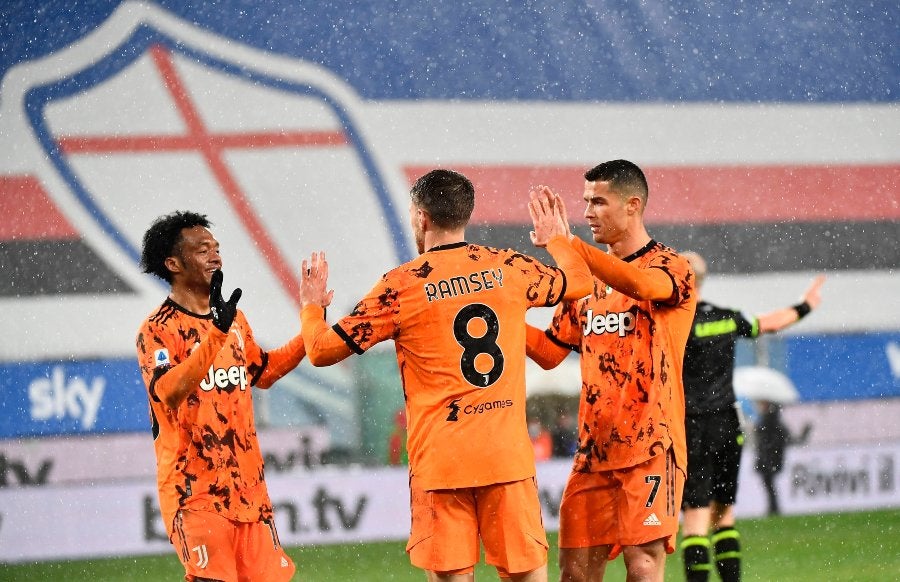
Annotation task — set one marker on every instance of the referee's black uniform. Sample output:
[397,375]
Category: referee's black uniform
[714,437]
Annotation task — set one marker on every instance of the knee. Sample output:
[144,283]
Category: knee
[571,570]
[641,570]
[571,573]
[644,563]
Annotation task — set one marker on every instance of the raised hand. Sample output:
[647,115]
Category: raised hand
[314,281]
[812,295]
[223,312]
[563,216]
[544,216]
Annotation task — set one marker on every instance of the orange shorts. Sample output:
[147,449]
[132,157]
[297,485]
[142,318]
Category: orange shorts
[623,507]
[447,525]
[211,546]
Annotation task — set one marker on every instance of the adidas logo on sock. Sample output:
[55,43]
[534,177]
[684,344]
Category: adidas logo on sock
[652,520]
[284,562]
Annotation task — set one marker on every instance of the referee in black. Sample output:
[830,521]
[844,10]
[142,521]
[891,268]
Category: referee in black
[714,437]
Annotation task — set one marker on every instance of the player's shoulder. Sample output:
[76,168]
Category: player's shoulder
[663,250]
[170,315]
[457,258]
[711,309]
[161,314]
[663,256]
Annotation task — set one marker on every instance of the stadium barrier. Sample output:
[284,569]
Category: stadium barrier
[331,505]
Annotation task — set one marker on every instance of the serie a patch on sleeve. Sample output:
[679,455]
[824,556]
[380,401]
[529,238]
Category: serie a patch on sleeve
[161,357]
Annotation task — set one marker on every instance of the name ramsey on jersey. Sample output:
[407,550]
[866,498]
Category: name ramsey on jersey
[464,284]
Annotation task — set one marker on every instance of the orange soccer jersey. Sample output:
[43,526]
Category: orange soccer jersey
[457,317]
[632,396]
[208,457]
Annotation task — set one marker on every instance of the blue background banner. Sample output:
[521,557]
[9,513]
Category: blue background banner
[585,50]
[844,367]
[104,396]
[61,398]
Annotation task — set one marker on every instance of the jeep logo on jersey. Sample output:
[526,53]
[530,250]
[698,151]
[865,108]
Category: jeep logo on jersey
[620,323]
[225,377]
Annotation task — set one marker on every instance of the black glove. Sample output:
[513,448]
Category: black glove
[223,312]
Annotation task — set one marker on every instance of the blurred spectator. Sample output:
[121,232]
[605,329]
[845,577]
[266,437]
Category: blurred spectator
[540,438]
[772,437]
[397,454]
[565,439]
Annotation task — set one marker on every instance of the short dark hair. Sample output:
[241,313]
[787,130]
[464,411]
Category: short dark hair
[447,196]
[624,177]
[163,239]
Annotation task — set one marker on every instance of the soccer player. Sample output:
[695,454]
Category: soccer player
[199,360]
[456,314]
[624,491]
[713,428]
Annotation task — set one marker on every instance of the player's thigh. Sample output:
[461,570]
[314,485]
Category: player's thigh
[204,542]
[260,557]
[511,526]
[588,512]
[444,531]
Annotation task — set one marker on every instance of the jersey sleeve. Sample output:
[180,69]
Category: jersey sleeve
[638,283]
[280,361]
[680,274]
[578,279]
[546,285]
[375,318]
[165,368]
[565,329]
[747,325]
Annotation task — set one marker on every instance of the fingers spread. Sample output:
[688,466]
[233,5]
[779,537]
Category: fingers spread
[235,297]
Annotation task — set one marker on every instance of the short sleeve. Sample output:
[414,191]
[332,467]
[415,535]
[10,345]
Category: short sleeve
[547,284]
[565,328]
[679,271]
[374,319]
[747,325]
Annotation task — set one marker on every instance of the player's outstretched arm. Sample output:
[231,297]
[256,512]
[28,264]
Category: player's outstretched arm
[551,231]
[640,284]
[782,318]
[636,283]
[539,348]
[284,359]
[323,346]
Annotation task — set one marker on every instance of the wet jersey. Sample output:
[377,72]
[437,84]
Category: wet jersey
[709,357]
[632,399]
[457,317]
[208,457]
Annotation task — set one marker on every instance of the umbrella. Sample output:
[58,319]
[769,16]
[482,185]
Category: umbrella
[563,379]
[761,383]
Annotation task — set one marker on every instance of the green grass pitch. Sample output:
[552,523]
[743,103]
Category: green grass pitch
[859,546]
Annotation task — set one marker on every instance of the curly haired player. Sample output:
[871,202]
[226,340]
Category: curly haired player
[199,361]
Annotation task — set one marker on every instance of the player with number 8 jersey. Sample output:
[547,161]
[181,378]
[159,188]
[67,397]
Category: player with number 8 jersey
[456,315]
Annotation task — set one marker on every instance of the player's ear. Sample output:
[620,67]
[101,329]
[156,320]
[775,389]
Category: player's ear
[634,204]
[173,264]
[423,219]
